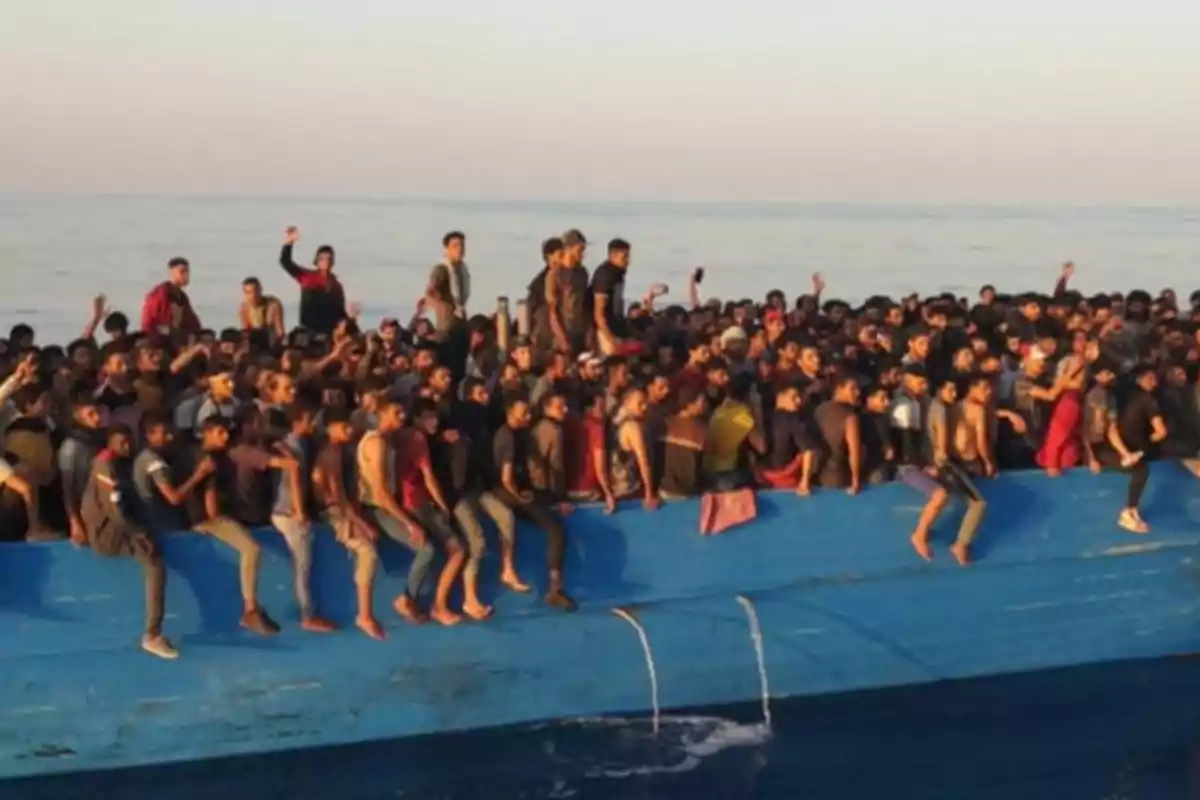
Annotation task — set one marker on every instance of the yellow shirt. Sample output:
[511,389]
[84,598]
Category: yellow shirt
[731,423]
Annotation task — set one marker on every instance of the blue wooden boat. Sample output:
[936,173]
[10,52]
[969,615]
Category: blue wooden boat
[830,582]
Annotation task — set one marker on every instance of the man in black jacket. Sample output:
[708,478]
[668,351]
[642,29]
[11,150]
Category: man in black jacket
[322,300]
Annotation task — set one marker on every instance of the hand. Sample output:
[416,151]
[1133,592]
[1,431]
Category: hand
[417,533]
[206,466]
[27,370]
[99,307]
[421,303]
[79,536]
[610,504]
[564,509]
[353,310]
[1068,270]
[818,283]
[1095,466]
[525,496]
[450,436]
[291,235]
[652,503]
[659,289]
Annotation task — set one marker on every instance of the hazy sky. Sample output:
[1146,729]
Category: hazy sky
[924,100]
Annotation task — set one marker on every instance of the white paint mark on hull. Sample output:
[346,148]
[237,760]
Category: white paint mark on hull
[645,640]
[757,640]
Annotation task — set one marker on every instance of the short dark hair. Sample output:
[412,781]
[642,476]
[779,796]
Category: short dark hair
[178,261]
[451,236]
[297,411]
[19,331]
[551,246]
[116,322]
[120,429]
[618,246]
[154,418]
[252,281]
[336,416]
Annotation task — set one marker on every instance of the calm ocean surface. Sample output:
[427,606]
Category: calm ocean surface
[1119,732]
[57,251]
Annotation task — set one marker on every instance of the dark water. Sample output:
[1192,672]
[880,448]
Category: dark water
[1115,732]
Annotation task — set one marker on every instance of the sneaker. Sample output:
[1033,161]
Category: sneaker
[1130,521]
[160,647]
[258,622]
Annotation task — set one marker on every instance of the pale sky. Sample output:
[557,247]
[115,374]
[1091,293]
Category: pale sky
[848,100]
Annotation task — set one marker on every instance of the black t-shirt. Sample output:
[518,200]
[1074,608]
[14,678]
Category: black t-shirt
[790,436]
[510,447]
[112,399]
[610,281]
[1139,409]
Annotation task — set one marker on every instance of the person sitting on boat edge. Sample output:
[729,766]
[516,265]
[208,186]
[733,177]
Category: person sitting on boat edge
[108,514]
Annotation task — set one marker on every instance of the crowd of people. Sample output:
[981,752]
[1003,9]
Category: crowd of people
[422,434]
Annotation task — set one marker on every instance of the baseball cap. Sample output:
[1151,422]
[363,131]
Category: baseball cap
[574,237]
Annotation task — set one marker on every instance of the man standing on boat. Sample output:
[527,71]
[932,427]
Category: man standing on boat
[566,296]
[447,294]
[322,299]
[167,308]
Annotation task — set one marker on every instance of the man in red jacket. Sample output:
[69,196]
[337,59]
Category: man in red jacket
[167,309]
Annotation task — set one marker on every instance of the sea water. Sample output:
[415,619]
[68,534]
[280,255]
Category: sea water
[57,251]
[1115,732]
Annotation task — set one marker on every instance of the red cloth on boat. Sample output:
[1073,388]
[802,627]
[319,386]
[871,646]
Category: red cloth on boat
[1063,445]
[720,511]
[786,477]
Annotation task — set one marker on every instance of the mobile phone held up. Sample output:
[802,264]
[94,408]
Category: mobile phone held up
[698,276]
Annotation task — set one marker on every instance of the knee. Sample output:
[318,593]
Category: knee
[940,496]
[454,547]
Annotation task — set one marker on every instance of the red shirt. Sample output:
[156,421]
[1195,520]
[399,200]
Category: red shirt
[690,376]
[583,436]
[412,456]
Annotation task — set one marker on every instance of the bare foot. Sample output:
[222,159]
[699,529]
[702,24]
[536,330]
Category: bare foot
[514,583]
[921,545]
[477,610]
[371,627]
[961,553]
[407,608]
[317,624]
[445,616]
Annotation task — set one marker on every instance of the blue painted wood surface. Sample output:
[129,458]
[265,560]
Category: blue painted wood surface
[843,601]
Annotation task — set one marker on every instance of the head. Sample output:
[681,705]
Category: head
[425,416]
[454,247]
[302,419]
[1145,377]
[85,412]
[987,295]
[517,414]
[252,291]
[214,435]
[788,399]
[979,388]
[424,360]
[846,389]
[522,356]
[915,382]
[552,252]
[82,355]
[658,389]
[699,353]
[120,441]
[116,365]
[156,430]
[574,248]
[810,360]
[1176,375]
[618,253]
[918,345]
[947,391]
[220,386]
[324,258]
[964,359]
[440,380]
[476,391]
[633,404]
[180,272]
[878,400]
[618,374]
[390,414]
[339,430]
[554,406]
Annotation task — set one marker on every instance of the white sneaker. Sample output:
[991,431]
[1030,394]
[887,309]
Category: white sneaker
[159,646]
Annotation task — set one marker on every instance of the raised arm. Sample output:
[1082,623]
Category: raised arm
[290,237]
